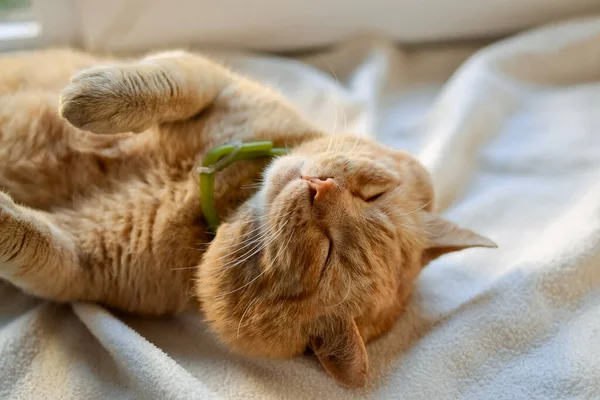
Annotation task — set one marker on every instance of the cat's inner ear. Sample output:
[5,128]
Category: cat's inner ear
[341,350]
[446,237]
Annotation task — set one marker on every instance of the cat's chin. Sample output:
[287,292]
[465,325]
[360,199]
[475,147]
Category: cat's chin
[235,301]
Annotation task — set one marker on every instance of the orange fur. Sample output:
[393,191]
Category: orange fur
[115,218]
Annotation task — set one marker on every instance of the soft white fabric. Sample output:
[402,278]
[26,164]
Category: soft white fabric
[513,142]
[117,25]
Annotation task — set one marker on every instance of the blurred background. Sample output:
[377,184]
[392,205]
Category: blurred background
[116,25]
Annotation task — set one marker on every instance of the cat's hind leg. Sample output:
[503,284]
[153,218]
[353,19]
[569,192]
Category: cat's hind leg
[37,256]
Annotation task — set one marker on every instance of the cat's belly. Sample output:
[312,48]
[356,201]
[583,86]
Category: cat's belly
[140,245]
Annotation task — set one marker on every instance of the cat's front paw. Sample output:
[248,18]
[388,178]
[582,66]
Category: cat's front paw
[104,100]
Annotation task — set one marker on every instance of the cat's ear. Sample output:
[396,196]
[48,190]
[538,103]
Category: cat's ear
[446,237]
[341,350]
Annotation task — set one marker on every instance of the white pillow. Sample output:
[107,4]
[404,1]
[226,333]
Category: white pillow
[119,25]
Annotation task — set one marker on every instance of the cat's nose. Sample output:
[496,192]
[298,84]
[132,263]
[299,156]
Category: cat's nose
[319,186]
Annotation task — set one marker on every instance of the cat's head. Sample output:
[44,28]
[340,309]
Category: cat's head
[324,256]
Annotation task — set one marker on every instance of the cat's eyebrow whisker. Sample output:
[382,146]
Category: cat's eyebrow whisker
[350,152]
[333,130]
[337,79]
[335,114]
[415,210]
[330,67]
[413,228]
[341,142]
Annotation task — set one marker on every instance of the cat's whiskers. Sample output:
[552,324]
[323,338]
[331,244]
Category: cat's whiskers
[244,314]
[260,245]
[340,143]
[256,249]
[244,243]
[335,112]
[276,236]
[250,239]
[245,234]
[259,237]
[264,218]
[252,186]
[350,152]
[260,223]
[247,242]
[258,208]
[281,249]
[344,129]
[344,299]
[333,130]
[253,219]
[411,227]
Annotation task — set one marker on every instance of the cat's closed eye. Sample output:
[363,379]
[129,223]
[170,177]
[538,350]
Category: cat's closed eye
[375,186]
[371,193]
[374,197]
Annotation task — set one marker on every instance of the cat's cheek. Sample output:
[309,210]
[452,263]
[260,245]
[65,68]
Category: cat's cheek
[283,171]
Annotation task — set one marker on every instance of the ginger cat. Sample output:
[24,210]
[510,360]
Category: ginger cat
[101,204]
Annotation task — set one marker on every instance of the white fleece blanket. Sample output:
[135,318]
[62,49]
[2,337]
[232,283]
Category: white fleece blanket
[513,142]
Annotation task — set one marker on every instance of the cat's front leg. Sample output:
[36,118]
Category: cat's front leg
[166,87]
[36,256]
